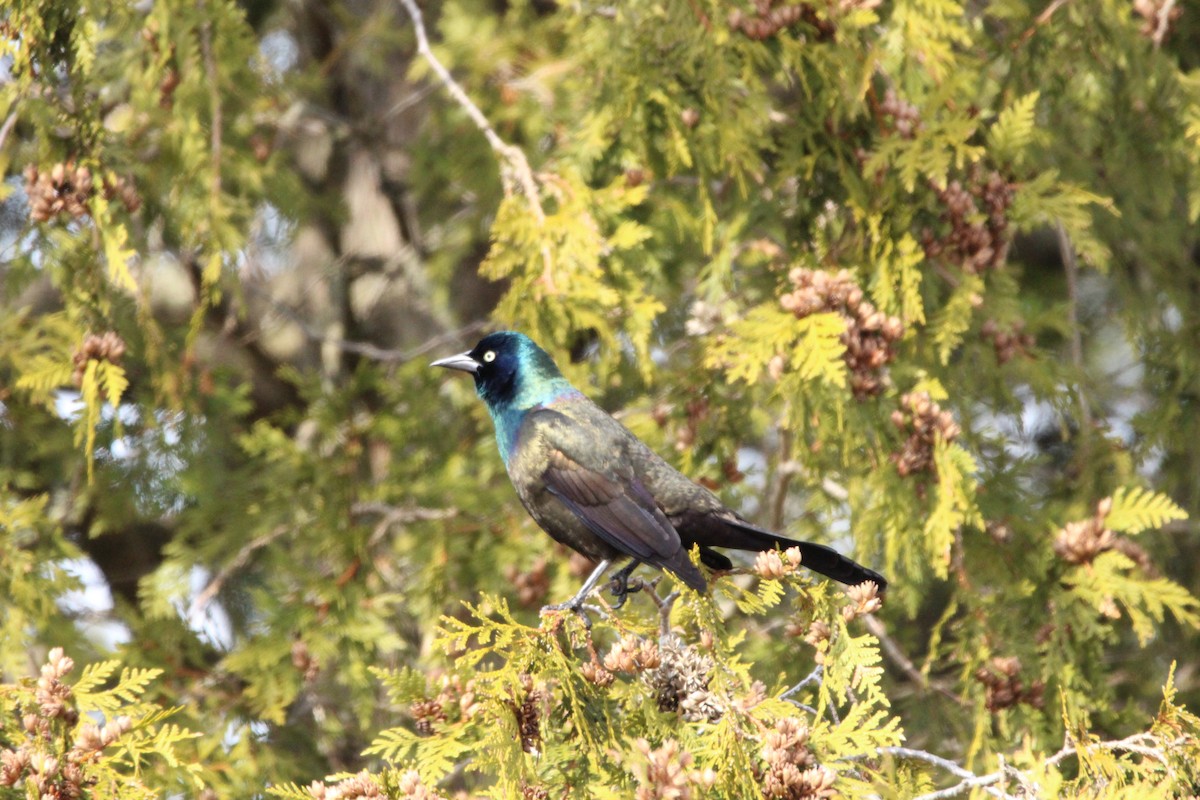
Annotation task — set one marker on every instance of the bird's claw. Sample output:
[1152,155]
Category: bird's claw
[622,587]
[619,584]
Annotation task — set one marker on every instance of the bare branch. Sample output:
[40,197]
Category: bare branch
[1067,251]
[896,655]
[921,755]
[397,515]
[665,604]
[512,155]
[408,102]
[366,349]
[236,563]
[1147,745]
[7,127]
[1130,744]
[1164,22]
[514,166]
[783,480]
[214,101]
[811,678]
[1041,20]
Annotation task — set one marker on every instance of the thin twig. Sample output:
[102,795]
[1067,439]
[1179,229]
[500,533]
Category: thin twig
[365,349]
[1071,267]
[214,100]
[983,782]
[514,164]
[664,604]
[897,656]
[236,563]
[1130,744]
[514,156]
[811,678]
[937,761]
[1164,22]
[1041,20]
[8,126]
[408,102]
[700,15]
[1144,744]
[784,474]
[969,780]
[397,515]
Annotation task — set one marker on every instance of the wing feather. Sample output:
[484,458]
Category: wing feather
[617,508]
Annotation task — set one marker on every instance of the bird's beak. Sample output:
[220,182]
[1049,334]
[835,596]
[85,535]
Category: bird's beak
[462,361]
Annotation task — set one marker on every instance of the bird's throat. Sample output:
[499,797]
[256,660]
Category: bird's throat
[507,417]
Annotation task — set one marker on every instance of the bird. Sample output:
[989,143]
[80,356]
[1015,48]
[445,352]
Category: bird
[595,487]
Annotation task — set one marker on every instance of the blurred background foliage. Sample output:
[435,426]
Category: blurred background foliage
[916,278]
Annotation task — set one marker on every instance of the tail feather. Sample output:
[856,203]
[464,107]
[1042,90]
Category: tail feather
[817,557]
[686,571]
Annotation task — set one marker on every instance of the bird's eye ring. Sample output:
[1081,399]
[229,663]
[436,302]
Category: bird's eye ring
[489,356]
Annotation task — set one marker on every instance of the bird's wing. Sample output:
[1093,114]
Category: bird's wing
[605,494]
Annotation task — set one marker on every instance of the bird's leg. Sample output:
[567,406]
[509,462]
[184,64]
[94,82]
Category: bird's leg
[576,603]
[620,584]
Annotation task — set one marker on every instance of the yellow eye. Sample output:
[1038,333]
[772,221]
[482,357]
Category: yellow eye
[489,356]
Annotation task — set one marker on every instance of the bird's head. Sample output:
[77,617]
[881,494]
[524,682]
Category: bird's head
[510,371]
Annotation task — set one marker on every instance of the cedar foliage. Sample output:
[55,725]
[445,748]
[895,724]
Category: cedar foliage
[915,278]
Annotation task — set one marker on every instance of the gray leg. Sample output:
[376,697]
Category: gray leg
[576,602]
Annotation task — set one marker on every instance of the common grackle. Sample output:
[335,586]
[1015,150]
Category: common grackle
[597,488]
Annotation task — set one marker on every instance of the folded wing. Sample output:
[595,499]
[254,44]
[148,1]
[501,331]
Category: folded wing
[618,509]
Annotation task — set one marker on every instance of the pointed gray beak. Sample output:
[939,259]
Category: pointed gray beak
[462,361]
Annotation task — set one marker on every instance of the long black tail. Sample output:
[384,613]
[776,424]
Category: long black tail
[817,557]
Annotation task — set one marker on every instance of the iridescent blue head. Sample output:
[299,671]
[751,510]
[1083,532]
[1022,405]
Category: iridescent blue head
[512,375]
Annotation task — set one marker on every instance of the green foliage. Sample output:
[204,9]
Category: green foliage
[812,346]
[1113,577]
[95,736]
[1015,129]
[580,266]
[953,505]
[229,483]
[1135,510]
[584,704]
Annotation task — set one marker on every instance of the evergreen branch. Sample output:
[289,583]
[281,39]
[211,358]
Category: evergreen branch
[392,515]
[511,156]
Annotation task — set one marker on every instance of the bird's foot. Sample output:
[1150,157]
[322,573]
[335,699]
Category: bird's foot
[620,586]
[575,604]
